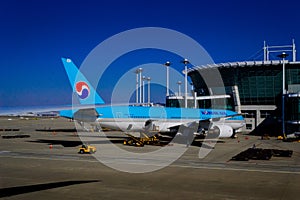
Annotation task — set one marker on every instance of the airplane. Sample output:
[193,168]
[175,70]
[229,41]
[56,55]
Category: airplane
[146,119]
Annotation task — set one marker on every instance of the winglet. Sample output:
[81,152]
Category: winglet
[81,86]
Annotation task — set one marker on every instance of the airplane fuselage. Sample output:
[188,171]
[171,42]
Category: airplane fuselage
[134,118]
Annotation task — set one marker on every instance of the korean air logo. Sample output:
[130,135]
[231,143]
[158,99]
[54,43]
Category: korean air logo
[82,90]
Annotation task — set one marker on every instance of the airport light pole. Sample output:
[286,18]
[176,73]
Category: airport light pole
[283,56]
[137,86]
[140,72]
[185,62]
[167,64]
[149,79]
[179,88]
[144,78]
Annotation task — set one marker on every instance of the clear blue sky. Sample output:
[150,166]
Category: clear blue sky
[35,34]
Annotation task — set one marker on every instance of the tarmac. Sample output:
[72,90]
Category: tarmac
[46,165]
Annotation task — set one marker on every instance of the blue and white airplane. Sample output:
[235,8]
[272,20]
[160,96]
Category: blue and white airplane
[144,119]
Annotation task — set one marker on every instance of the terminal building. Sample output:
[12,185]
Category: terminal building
[253,88]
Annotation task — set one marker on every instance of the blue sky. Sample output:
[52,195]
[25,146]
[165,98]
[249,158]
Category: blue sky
[34,35]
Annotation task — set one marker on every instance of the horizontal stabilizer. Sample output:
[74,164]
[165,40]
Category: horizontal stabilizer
[86,115]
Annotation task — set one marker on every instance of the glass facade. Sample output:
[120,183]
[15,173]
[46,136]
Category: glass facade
[293,108]
[257,85]
[256,88]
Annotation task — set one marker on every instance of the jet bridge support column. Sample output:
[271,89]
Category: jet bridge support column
[236,98]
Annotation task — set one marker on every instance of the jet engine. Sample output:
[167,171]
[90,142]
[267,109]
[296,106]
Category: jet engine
[222,131]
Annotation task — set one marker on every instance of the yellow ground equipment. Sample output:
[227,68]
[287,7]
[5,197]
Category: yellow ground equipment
[280,137]
[141,141]
[290,138]
[87,149]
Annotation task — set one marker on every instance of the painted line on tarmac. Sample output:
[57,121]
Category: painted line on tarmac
[209,166]
[237,169]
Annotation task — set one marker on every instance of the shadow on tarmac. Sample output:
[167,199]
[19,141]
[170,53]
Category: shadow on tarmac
[57,130]
[118,140]
[67,143]
[64,143]
[12,191]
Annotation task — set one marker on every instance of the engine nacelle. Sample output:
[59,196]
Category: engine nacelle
[222,131]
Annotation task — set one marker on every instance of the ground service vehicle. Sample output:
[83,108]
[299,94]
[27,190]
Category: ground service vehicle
[87,149]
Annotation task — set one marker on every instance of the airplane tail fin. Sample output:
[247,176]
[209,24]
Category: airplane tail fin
[81,86]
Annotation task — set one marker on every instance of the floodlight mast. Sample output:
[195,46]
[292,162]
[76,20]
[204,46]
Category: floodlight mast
[140,71]
[167,64]
[179,88]
[149,79]
[144,78]
[294,50]
[137,86]
[283,56]
[185,62]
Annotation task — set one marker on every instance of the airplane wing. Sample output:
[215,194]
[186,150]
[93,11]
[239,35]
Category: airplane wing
[21,110]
